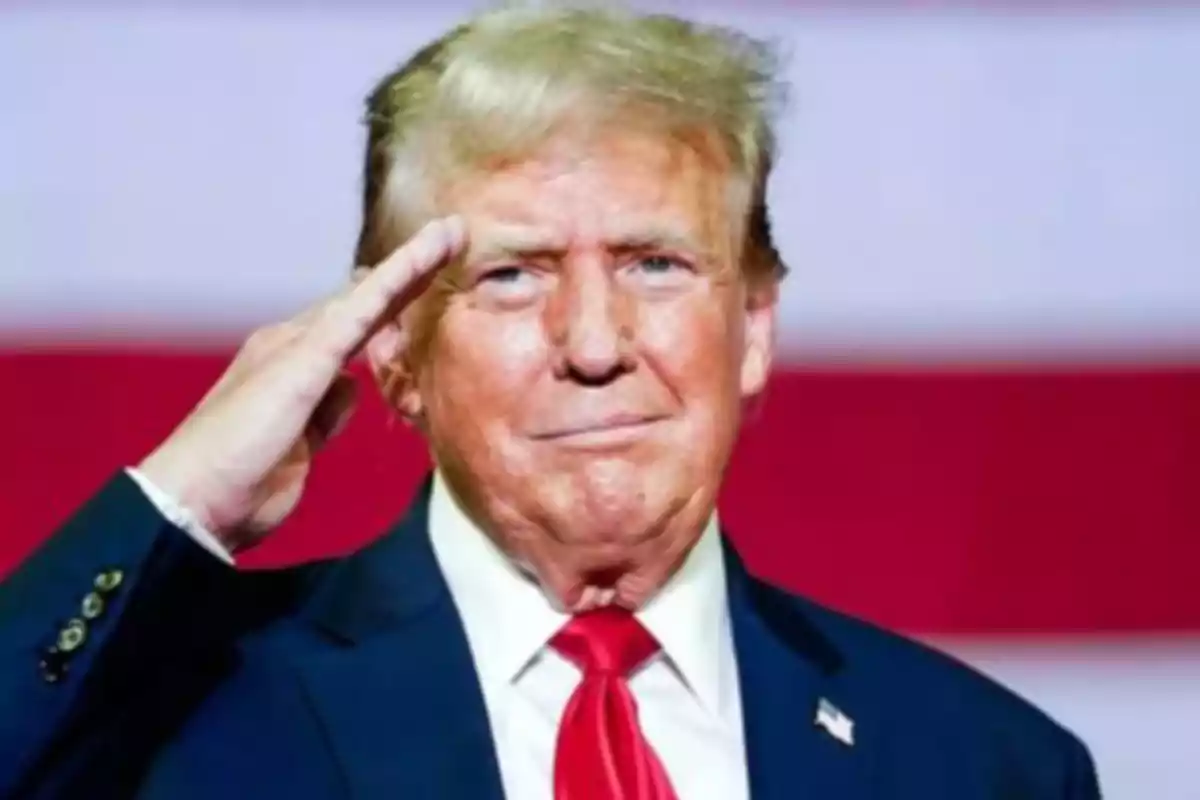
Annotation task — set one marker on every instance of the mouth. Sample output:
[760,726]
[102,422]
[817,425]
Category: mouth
[615,431]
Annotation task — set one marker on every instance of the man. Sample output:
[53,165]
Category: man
[574,295]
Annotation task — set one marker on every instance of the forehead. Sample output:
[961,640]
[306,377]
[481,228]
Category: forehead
[621,186]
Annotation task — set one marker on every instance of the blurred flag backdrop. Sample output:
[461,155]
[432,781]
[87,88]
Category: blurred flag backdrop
[985,427]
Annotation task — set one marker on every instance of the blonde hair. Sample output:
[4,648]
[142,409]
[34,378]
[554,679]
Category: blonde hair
[492,90]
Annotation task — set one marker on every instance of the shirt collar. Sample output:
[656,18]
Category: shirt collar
[508,619]
[689,617]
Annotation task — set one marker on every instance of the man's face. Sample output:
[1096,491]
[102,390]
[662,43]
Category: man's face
[582,387]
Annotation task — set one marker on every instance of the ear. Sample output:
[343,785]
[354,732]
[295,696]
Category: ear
[386,353]
[759,347]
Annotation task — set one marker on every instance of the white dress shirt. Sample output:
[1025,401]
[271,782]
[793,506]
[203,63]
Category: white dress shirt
[687,695]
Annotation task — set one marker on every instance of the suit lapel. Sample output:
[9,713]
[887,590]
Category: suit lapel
[786,668]
[399,699]
[402,708]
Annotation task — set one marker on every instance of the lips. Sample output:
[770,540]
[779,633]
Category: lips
[610,424]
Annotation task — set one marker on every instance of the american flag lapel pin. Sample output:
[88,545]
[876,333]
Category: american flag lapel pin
[835,723]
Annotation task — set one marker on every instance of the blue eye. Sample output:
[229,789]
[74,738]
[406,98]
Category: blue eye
[659,272]
[509,285]
[503,275]
[658,264]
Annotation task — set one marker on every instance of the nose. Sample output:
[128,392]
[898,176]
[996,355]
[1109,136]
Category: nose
[591,325]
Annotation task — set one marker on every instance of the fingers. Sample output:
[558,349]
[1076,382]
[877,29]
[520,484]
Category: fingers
[350,320]
[333,412]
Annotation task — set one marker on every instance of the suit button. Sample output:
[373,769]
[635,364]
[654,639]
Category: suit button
[53,665]
[72,636]
[109,580]
[92,606]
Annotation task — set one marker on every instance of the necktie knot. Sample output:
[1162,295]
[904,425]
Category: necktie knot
[608,640]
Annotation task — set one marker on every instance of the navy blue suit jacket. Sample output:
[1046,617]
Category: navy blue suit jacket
[183,678]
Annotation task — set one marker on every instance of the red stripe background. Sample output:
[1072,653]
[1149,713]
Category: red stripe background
[943,500]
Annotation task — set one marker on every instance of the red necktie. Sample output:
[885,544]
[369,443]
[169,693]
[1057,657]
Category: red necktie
[601,753]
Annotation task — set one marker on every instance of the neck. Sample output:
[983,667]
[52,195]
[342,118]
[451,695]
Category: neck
[569,590]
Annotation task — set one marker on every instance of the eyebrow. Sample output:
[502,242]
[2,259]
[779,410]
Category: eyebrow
[509,241]
[514,241]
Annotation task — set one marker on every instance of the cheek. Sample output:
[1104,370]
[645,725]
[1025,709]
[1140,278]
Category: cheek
[483,365]
[695,345]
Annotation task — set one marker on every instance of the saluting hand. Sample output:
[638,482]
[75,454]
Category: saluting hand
[240,459]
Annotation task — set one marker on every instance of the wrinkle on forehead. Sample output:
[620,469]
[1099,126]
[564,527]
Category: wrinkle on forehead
[622,187]
[503,240]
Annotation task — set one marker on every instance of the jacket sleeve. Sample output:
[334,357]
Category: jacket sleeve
[117,603]
[1083,782]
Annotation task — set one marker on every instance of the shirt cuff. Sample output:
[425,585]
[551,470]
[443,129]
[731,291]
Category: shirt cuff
[179,516]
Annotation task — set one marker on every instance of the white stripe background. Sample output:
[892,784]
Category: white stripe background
[951,179]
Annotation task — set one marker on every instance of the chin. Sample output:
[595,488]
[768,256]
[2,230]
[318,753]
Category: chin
[610,499]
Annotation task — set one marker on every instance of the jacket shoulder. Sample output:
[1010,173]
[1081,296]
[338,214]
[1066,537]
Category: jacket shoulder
[936,708]
[924,674]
